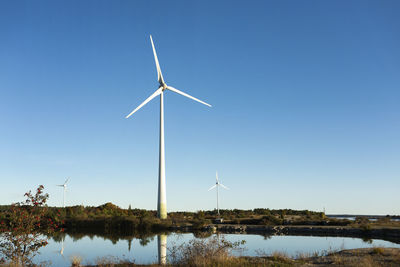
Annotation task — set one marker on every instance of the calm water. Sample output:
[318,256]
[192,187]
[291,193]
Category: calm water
[353,218]
[144,251]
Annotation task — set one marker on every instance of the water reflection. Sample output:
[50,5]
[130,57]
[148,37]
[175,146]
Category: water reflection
[129,244]
[62,246]
[145,249]
[162,249]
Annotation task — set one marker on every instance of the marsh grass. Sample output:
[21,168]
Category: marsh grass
[211,252]
[204,252]
[378,250]
[76,260]
[112,261]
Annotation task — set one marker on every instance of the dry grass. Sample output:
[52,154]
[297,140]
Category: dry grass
[108,261]
[205,252]
[378,250]
[280,256]
[209,253]
[76,261]
[373,257]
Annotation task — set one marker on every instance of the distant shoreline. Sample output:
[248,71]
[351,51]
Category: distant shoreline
[361,215]
[389,234]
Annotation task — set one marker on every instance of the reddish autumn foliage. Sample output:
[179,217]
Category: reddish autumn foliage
[25,228]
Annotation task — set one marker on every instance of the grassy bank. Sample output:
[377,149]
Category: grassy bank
[366,257]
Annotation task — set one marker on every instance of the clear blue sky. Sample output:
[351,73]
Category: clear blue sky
[305,99]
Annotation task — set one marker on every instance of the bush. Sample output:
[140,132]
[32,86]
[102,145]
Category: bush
[23,228]
[378,250]
[271,220]
[203,252]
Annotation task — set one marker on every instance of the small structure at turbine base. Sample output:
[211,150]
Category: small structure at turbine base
[218,220]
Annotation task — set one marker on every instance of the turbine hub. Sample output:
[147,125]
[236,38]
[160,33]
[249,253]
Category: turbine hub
[164,86]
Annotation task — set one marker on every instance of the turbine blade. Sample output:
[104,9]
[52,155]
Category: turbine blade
[156,93]
[159,74]
[60,185]
[216,176]
[223,186]
[212,187]
[184,94]
[66,180]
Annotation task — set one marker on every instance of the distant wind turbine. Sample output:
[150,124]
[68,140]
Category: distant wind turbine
[217,184]
[65,189]
[162,198]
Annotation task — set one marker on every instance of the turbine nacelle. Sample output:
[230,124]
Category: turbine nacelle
[162,85]
[217,183]
[64,186]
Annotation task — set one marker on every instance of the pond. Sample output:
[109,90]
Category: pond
[152,249]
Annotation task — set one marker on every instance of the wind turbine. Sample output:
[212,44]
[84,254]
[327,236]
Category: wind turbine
[65,189]
[162,198]
[217,185]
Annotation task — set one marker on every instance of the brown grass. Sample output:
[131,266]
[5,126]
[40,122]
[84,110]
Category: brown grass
[209,253]
[76,261]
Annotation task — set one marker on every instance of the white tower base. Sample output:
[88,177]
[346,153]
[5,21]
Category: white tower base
[162,196]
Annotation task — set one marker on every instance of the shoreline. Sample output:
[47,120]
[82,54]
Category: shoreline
[383,233]
[388,234]
[377,256]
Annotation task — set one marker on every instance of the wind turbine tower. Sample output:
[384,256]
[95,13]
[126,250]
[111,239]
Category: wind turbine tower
[217,185]
[162,87]
[64,185]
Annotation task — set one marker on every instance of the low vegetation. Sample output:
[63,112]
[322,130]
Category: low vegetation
[204,252]
[22,228]
[111,219]
[216,252]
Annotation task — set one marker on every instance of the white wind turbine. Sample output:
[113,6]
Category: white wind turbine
[162,199]
[64,185]
[217,185]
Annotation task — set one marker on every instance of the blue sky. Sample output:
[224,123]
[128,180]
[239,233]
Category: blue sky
[305,99]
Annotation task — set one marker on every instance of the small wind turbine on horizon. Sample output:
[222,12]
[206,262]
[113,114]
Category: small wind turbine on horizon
[162,198]
[64,185]
[217,185]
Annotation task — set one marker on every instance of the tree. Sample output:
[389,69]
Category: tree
[23,231]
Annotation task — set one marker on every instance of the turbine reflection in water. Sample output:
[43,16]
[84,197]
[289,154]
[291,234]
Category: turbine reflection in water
[62,246]
[162,249]
[148,250]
